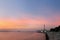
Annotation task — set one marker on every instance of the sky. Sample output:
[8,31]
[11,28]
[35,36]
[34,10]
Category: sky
[29,14]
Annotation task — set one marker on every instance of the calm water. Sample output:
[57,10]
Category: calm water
[21,36]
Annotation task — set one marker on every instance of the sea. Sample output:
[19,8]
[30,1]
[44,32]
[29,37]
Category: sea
[22,36]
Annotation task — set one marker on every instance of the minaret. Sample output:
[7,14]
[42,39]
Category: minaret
[44,27]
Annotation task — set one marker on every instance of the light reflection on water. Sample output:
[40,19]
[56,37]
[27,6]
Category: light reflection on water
[21,36]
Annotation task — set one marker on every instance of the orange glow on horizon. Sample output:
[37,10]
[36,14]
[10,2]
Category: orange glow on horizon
[22,23]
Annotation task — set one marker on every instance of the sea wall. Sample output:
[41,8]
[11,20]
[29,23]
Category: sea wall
[54,35]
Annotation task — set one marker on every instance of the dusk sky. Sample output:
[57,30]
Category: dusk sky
[29,14]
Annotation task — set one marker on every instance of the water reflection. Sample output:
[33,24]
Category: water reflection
[21,36]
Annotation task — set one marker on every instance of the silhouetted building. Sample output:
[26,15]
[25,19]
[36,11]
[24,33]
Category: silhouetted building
[56,29]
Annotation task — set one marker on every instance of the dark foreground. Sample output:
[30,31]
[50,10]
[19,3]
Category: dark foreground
[21,36]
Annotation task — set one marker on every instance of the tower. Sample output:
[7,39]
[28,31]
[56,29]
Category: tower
[44,30]
[44,27]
